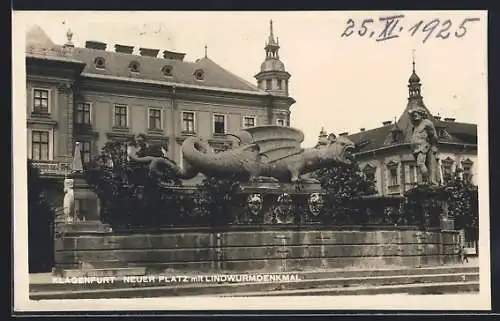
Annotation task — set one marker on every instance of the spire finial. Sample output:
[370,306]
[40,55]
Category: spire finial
[206,50]
[69,36]
[413,59]
[271,28]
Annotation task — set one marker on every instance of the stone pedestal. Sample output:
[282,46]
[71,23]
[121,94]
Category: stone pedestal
[81,204]
[87,205]
[432,204]
[278,203]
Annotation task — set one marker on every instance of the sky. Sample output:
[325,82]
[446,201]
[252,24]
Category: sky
[339,83]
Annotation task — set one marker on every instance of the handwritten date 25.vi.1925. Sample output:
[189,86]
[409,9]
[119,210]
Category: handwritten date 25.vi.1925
[391,27]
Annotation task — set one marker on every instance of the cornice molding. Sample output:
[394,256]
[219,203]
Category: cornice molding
[140,90]
[88,133]
[44,121]
[117,135]
[49,79]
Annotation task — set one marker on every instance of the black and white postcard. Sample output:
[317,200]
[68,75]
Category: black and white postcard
[250,160]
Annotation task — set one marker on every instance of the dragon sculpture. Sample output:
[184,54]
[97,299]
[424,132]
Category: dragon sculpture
[270,153]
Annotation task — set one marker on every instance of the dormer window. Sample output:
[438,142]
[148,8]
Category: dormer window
[467,170]
[441,131]
[369,172]
[100,63]
[134,66]
[167,70]
[447,168]
[199,74]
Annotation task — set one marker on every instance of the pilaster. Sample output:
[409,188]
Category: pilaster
[65,99]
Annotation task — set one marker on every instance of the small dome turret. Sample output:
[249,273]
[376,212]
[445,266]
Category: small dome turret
[272,65]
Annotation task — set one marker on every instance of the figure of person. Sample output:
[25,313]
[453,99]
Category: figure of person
[69,200]
[424,142]
[463,256]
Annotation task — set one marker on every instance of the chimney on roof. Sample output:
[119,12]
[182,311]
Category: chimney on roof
[437,117]
[173,55]
[124,49]
[387,123]
[344,134]
[149,52]
[361,129]
[95,45]
[449,119]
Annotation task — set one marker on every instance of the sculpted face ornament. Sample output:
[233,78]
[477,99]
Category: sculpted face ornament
[254,204]
[316,202]
[284,209]
[347,148]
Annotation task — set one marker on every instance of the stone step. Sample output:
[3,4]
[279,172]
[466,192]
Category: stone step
[415,289]
[156,289]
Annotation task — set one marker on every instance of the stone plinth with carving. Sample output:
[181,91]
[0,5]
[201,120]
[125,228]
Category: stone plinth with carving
[431,204]
[278,203]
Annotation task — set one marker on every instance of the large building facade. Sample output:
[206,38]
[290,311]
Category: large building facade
[91,95]
[384,154]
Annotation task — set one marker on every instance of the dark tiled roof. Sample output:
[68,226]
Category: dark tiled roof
[40,46]
[372,139]
[150,68]
[462,132]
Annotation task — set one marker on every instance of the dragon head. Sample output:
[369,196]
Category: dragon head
[341,148]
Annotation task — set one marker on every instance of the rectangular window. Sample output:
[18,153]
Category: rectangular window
[188,122]
[411,174]
[269,84]
[248,122]
[217,148]
[86,151]
[121,116]
[83,113]
[280,122]
[41,101]
[393,176]
[219,124]
[40,145]
[154,118]
[280,85]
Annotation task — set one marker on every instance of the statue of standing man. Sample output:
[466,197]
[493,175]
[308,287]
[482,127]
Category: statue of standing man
[424,141]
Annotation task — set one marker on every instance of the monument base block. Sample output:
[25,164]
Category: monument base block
[263,248]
